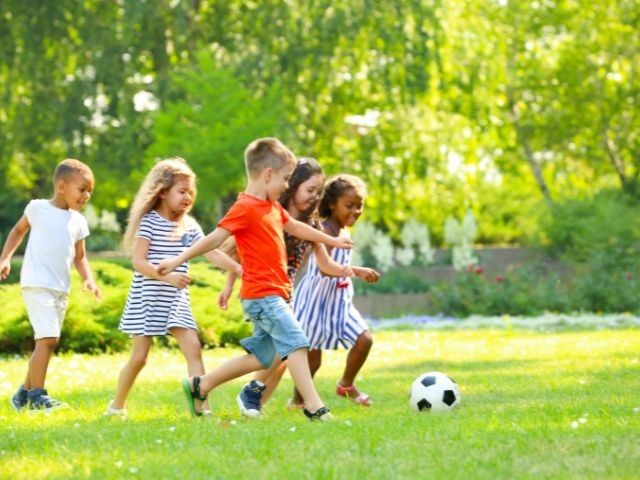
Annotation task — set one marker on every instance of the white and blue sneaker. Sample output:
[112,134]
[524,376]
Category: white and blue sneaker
[20,399]
[40,401]
[249,399]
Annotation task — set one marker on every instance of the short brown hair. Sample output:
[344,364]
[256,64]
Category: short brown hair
[336,187]
[267,152]
[68,167]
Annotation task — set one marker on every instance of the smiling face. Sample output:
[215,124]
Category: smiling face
[307,195]
[347,208]
[277,181]
[179,199]
[75,191]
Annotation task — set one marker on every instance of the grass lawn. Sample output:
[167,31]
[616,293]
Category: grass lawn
[535,405]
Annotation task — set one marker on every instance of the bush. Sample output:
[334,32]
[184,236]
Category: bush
[525,291]
[92,326]
[396,280]
[606,223]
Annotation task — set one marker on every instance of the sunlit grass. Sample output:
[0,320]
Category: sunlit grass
[552,405]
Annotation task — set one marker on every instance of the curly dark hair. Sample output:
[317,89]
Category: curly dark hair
[306,168]
[336,187]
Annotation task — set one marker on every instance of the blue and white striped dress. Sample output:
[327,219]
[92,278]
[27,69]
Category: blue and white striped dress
[153,307]
[324,306]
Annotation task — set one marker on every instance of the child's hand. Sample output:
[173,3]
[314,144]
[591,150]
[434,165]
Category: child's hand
[93,288]
[223,298]
[178,280]
[167,266]
[369,275]
[5,268]
[342,242]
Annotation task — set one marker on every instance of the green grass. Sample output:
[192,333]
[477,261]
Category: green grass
[535,405]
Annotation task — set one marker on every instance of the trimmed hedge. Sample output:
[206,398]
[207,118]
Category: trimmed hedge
[92,326]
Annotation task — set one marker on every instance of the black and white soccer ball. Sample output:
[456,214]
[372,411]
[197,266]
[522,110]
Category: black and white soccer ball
[435,392]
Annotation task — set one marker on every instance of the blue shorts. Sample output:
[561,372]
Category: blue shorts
[275,329]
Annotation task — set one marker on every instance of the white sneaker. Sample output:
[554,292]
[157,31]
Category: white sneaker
[115,412]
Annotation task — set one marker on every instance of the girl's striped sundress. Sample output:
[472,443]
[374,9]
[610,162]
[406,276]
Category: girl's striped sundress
[153,307]
[324,306]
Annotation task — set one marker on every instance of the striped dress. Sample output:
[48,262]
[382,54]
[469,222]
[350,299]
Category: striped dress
[324,306]
[153,307]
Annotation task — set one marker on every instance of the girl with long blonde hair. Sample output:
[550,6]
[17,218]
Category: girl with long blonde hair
[160,227]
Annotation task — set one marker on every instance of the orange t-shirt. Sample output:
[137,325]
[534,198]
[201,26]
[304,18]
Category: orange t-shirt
[257,225]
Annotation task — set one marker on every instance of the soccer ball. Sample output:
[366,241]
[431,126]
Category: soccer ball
[435,392]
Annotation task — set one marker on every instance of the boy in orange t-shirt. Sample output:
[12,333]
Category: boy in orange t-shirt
[257,221]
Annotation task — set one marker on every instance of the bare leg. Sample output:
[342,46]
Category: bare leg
[234,368]
[299,369]
[139,351]
[355,360]
[39,362]
[271,378]
[192,350]
[315,360]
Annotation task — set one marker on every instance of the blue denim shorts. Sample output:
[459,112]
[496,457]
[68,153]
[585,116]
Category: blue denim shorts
[275,329]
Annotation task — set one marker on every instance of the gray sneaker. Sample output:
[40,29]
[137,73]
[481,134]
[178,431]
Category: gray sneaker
[40,401]
[20,398]
[249,399]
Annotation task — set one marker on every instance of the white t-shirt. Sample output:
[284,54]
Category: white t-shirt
[51,245]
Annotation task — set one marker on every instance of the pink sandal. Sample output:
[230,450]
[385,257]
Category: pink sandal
[360,398]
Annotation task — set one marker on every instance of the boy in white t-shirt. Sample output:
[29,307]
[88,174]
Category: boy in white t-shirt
[57,238]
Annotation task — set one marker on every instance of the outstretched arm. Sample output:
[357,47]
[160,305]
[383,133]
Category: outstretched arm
[14,239]
[306,232]
[202,246]
[82,265]
[221,260]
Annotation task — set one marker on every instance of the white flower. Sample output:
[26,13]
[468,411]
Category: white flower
[460,236]
[91,215]
[382,250]
[144,101]
[109,222]
[405,256]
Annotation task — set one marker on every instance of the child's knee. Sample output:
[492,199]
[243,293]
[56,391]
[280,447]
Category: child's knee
[366,339]
[49,343]
[138,360]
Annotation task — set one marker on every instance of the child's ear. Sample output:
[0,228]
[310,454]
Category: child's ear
[267,173]
[60,184]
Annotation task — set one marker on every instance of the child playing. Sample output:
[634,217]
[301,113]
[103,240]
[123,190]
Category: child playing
[159,227]
[257,221]
[324,304]
[57,238]
[301,202]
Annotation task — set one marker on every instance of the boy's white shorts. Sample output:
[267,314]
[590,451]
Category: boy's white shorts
[46,309]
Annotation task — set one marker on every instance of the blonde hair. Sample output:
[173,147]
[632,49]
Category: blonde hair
[68,167]
[160,179]
[267,152]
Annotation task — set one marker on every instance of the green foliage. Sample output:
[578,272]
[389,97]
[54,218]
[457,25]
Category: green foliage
[533,290]
[92,326]
[210,122]
[603,224]
[527,291]
[497,107]
[395,280]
